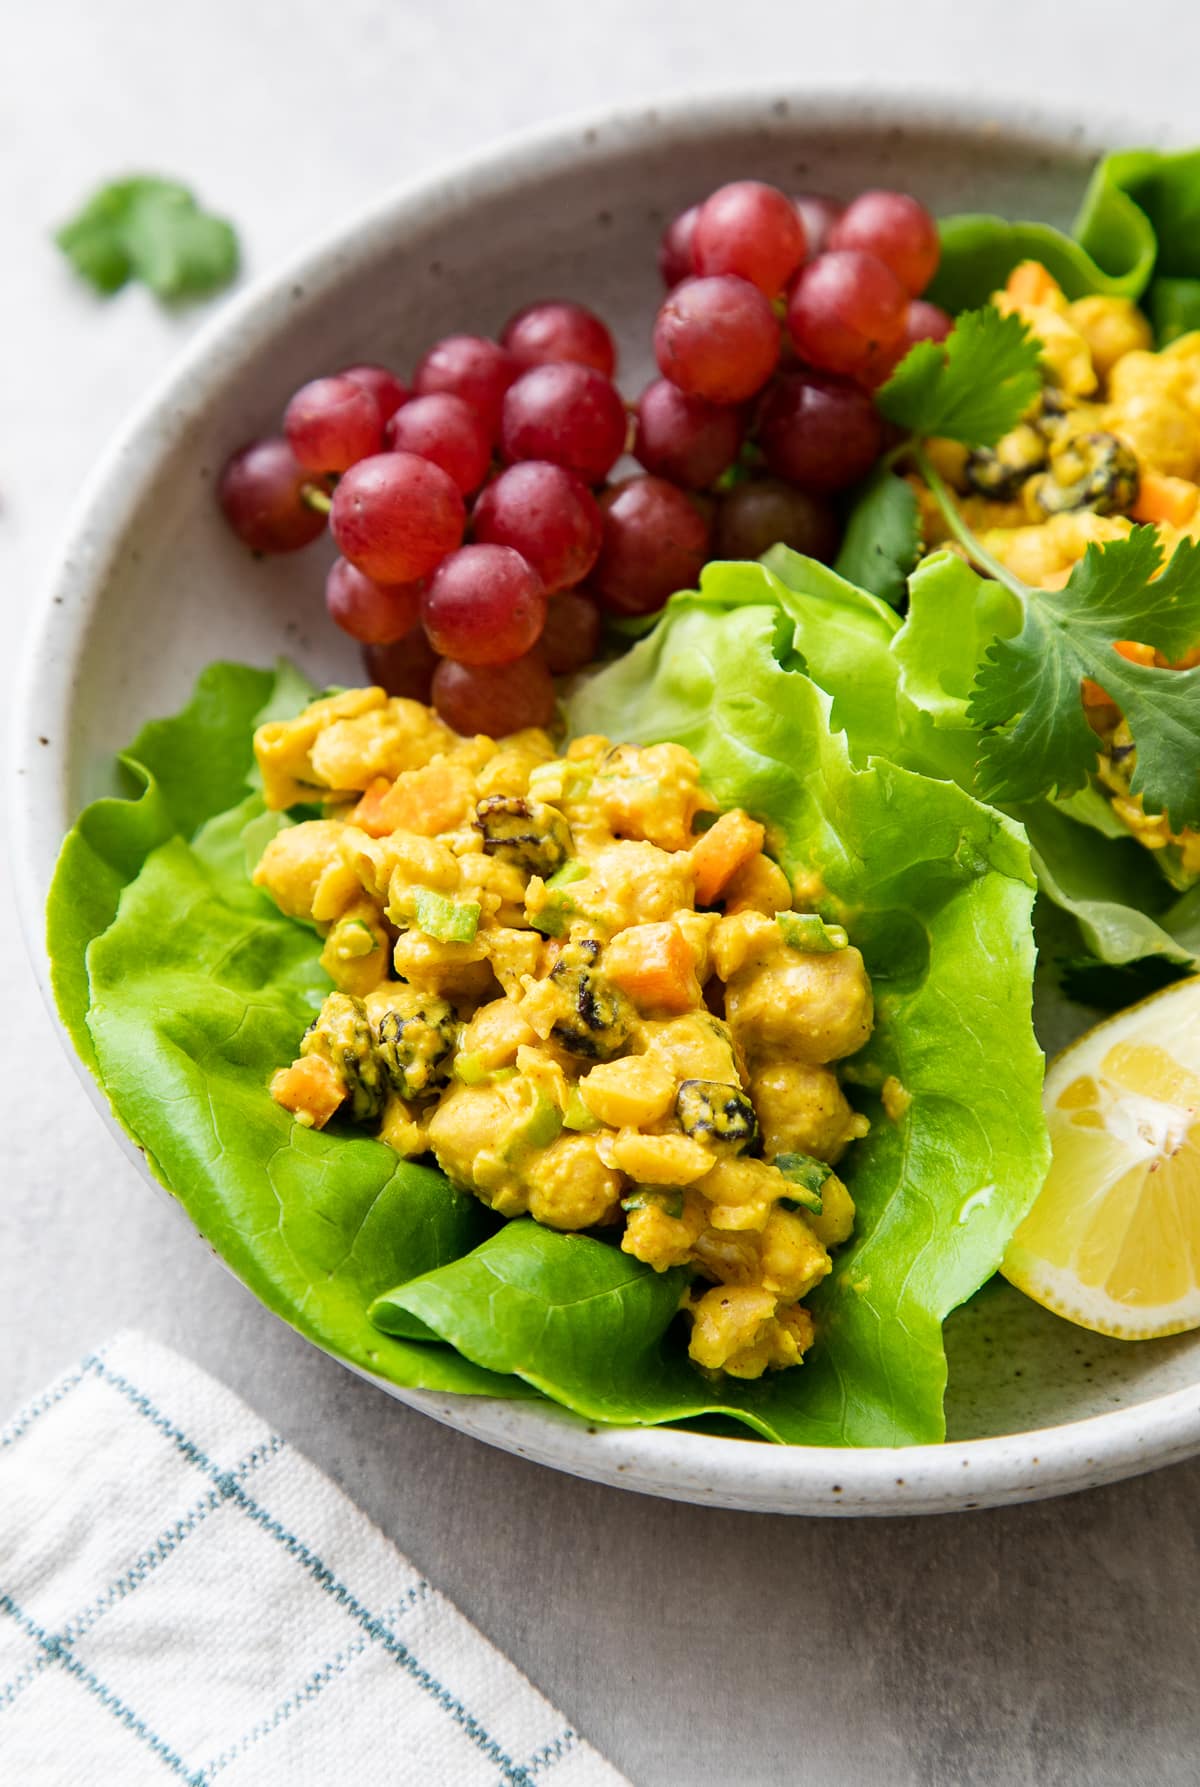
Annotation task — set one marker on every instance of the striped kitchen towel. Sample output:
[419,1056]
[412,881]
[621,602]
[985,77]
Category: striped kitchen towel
[182,1595]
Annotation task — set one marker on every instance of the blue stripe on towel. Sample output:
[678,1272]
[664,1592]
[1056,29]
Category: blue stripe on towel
[226,1482]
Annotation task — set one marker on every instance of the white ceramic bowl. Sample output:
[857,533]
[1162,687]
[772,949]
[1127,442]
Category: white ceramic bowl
[151,586]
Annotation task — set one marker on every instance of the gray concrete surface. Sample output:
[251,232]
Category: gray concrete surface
[1052,1644]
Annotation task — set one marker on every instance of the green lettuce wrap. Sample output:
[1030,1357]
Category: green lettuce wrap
[184,987]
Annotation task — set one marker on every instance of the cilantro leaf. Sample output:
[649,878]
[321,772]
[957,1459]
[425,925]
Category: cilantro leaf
[1027,688]
[153,230]
[882,541]
[972,388]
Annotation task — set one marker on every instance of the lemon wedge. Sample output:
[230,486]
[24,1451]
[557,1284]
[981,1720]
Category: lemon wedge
[1113,1241]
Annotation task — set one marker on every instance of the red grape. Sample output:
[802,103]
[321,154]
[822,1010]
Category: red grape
[473,368]
[260,493]
[570,415]
[655,542]
[548,514]
[818,214]
[675,250]
[880,364]
[484,605]
[843,307]
[405,667]
[394,516]
[375,613]
[571,635]
[819,432]
[447,431]
[717,338]
[750,229]
[558,330]
[686,439]
[897,230]
[495,698]
[926,322]
[332,423]
[923,322]
[755,516]
[383,385]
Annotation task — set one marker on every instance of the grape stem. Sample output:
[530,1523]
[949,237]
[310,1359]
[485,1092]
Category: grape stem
[978,554]
[313,497]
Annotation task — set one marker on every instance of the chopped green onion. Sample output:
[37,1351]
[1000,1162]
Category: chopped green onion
[808,1175]
[449,921]
[808,932]
[650,1197]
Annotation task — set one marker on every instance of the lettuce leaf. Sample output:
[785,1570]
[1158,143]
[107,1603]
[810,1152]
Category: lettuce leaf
[1137,236]
[925,878]
[182,987]
[915,688]
[881,542]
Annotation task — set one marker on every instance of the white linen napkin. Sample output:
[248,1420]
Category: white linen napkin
[183,1595]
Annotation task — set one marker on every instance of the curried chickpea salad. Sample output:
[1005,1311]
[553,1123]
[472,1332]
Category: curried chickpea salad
[585,990]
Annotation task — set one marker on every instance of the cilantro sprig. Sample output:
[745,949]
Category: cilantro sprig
[973,388]
[1026,701]
[154,230]
[1026,695]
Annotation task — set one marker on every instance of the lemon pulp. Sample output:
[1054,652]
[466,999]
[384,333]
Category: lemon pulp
[1113,1241]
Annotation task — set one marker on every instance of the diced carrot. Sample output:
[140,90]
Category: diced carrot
[1137,654]
[654,966]
[427,801]
[1160,498]
[368,814]
[310,1089]
[1030,283]
[720,853]
[1094,696]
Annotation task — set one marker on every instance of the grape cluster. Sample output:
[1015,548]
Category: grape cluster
[480,541]
[505,438]
[783,315]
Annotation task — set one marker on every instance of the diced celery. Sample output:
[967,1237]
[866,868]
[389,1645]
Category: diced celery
[577,1116]
[448,921]
[470,1070]
[574,870]
[536,1128]
[555,915]
[545,1122]
[352,939]
[808,932]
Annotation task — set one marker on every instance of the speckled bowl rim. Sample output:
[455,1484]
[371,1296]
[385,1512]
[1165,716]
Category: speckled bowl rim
[668,1462]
